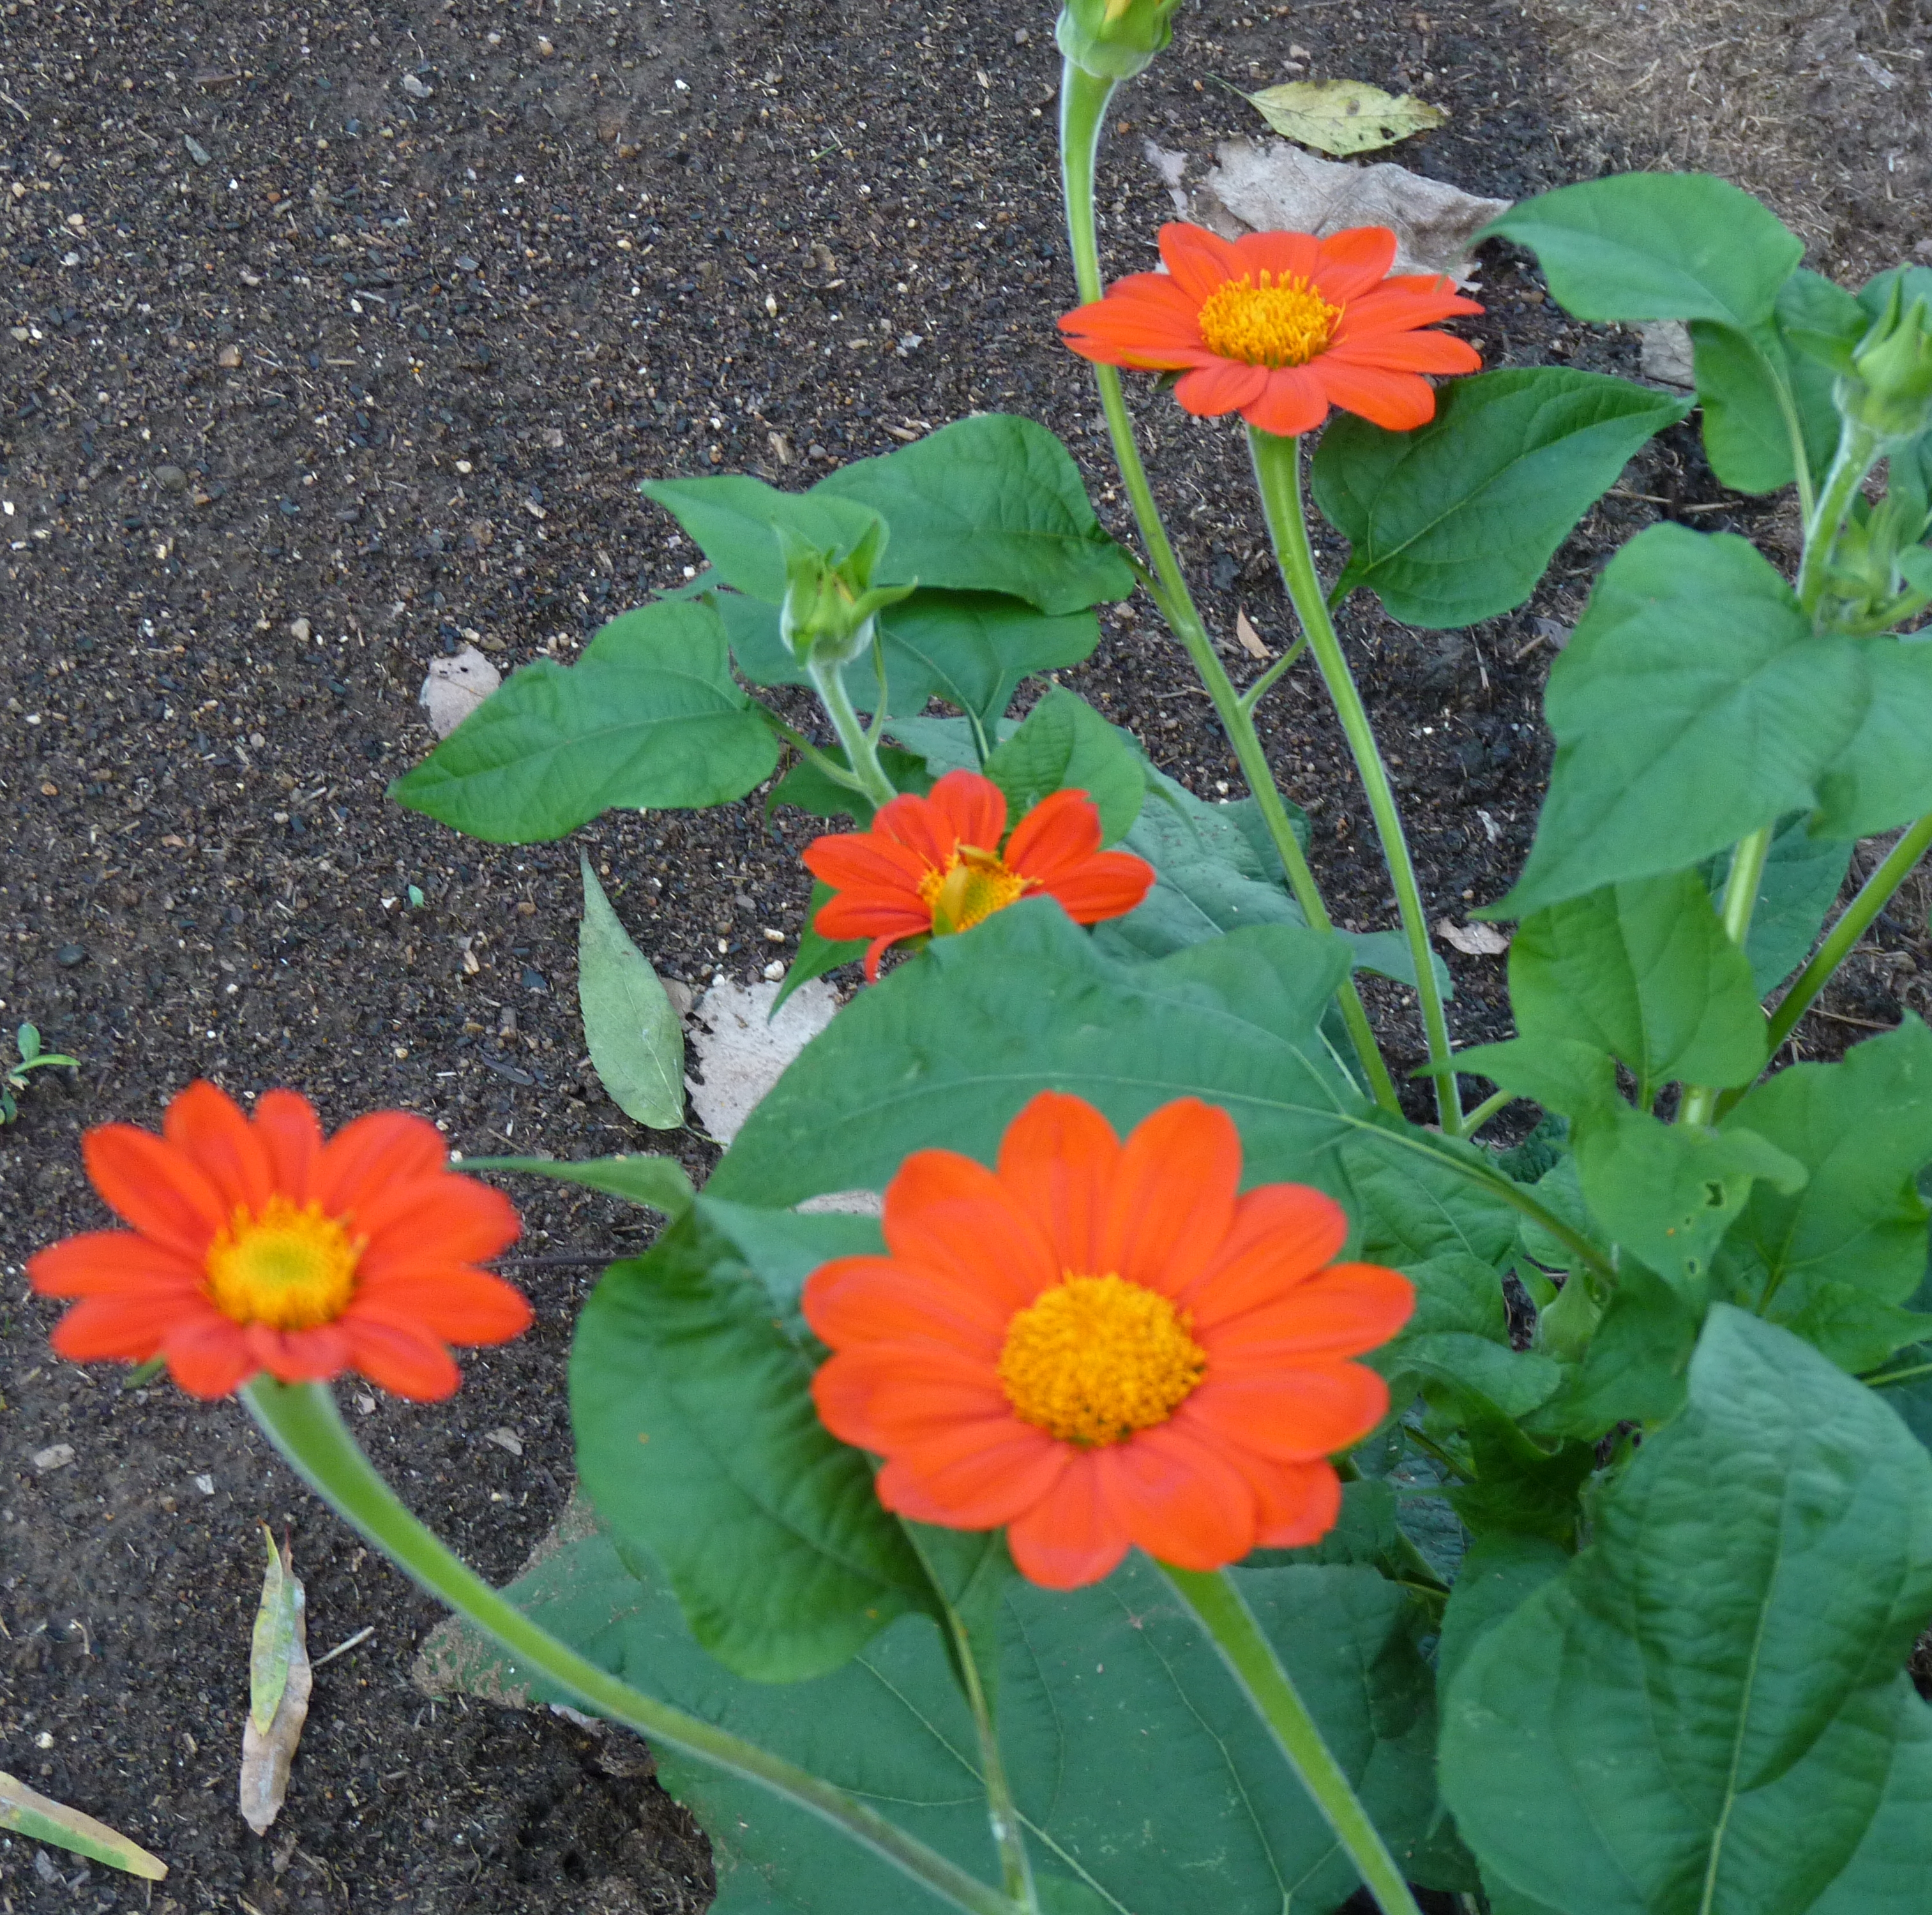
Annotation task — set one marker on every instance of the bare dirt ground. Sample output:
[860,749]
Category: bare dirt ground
[337,335]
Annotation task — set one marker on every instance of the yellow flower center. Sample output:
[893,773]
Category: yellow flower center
[1095,1358]
[292,1268]
[974,885]
[1268,324]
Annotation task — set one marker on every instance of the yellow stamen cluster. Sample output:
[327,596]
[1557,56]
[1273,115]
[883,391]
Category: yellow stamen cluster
[1268,324]
[973,884]
[1095,1358]
[292,1268]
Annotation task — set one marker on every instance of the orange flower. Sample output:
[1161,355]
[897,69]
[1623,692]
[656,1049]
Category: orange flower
[931,866]
[1279,326]
[255,1245]
[1099,1344]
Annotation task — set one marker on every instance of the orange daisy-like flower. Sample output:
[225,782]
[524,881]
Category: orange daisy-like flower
[1099,1344]
[1280,326]
[255,1245]
[934,865]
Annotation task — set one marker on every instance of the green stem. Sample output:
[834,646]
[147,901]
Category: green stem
[1259,689]
[1278,474]
[300,1419]
[1858,449]
[1219,1608]
[1485,1110]
[1083,109]
[829,682]
[1008,1838]
[812,755]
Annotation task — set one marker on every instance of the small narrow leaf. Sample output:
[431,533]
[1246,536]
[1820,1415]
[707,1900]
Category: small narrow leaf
[274,1639]
[39,1818]
[1343,116]
[636,1040]
[267,1752]
[656,1183]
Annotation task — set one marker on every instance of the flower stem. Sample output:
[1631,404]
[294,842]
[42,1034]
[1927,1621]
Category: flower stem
[1015,1869]
[1278,474]
[1699,1102]
[861,753]
[300,1419]
[1219,1608]
[1858,449]
[1083,109]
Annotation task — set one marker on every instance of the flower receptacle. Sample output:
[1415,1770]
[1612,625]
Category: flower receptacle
[830,602]
[1887,387]
[1115,40]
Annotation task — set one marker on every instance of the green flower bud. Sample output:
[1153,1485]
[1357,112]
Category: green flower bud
[830,602]
[1114,39]
[1889,388]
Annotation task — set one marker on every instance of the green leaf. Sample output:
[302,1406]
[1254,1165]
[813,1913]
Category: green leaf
[698,1443]
[1886,1875]
[1882,777]
[272,1642]
[1862,1128]
[656,1183]
[809,788]
[1802,877]
[1564,1074]
[816,954]
[1499,1573]
[1656,246]
[1693,705]
[1633,1368]
[1343,116]
[1412,1205]
[1644,971]
[735,519]
[990,504]
[1064,744]
[1699,1716]
[634,1036]
[39,1818]
[649,718]
[1140,1773]
[1456,521]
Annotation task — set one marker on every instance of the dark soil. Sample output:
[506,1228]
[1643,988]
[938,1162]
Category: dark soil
[310,376]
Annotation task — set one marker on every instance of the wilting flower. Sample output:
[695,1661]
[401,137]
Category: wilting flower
[931,866]
[1099,1344]
[1280,326]
[255,1245]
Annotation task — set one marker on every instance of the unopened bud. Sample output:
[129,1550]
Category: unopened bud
[1889,389]
[1114,39]
[830,602]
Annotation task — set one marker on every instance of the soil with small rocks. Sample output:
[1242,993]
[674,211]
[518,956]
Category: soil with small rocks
[340,338]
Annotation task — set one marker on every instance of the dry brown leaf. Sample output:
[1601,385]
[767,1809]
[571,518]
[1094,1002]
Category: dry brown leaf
[455,687]
[266,1754]
[1473,940]
[741,1049]
[1343,116]
[1251,640]
[1269,186]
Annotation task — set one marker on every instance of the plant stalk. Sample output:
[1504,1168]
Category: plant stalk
[1083,109]
[1278,475]
[300,1419]
[861,752]
[1008,1838]
[1859,450]
[1230,1624]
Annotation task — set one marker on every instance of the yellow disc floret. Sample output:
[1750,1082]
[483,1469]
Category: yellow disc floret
[292,1268]
[1268,324]
[973,884]
[1095,1358]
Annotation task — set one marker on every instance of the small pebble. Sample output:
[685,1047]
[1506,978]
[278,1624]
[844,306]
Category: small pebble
[464,264]
[170,478]
[534,979]
[415,88]
[300,631]
[230,356]
[55,1456]
[69,955]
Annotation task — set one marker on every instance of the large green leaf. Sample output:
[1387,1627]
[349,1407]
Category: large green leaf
[1882,778]
[649,718]
[1499,1575]
[1456,521]
[736,521]
[635,1038]
[1656,246]
[1693,705]
[1062,744]
[1886,1875]
[697,1440]
[1642,970]
[992,503]
[1863,1129]
[1140,1773]
[1699,1716]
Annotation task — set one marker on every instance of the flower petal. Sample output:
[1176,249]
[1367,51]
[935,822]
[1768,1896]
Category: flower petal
[126,1329]
[1174,1196]
[1407,352]
[864,1299]
[1297,1502]
[211,1131]
[1072,1536]
[869,863]
[948,1214]
[112,1264]
[977,1476]
[1182,1500]
[1059,834]
[1057,1160]
[1109,885]
[1281,1234]
[449,1301]
[149,1183]
[1199,261]
[297,1357]
[1223,385]
[286,1123]
[973,808]
[400,1360]
[1397,402]
[861,914]
[1293,403]
[208,1357]
[1294,1415]
[1339,1311]
[386,1147]
[1352,261]
[1146,321]
[884,1395]
[449,1217]
[1284,255]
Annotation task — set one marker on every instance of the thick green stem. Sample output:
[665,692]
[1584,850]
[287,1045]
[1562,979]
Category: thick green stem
[1083,109]
[1278,474]
[822,760]
[1219,1608]
[1699,1105]
[1485,1110]
[1859,450]
[301,1420]
[860,751]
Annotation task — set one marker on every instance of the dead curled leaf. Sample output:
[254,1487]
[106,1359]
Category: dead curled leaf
[455,687]
[1473,940]
[278,1668]
[1343,116]
[1250,640]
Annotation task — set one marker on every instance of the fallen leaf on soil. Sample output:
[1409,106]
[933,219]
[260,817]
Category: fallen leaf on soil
[1473,940]
[39,1818]
[635,1040]
[1251,640]
[278,1668]
[1666,354]
[505,1439]
[1271,187]
[455,687]
[1343,115]
[742,1050]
